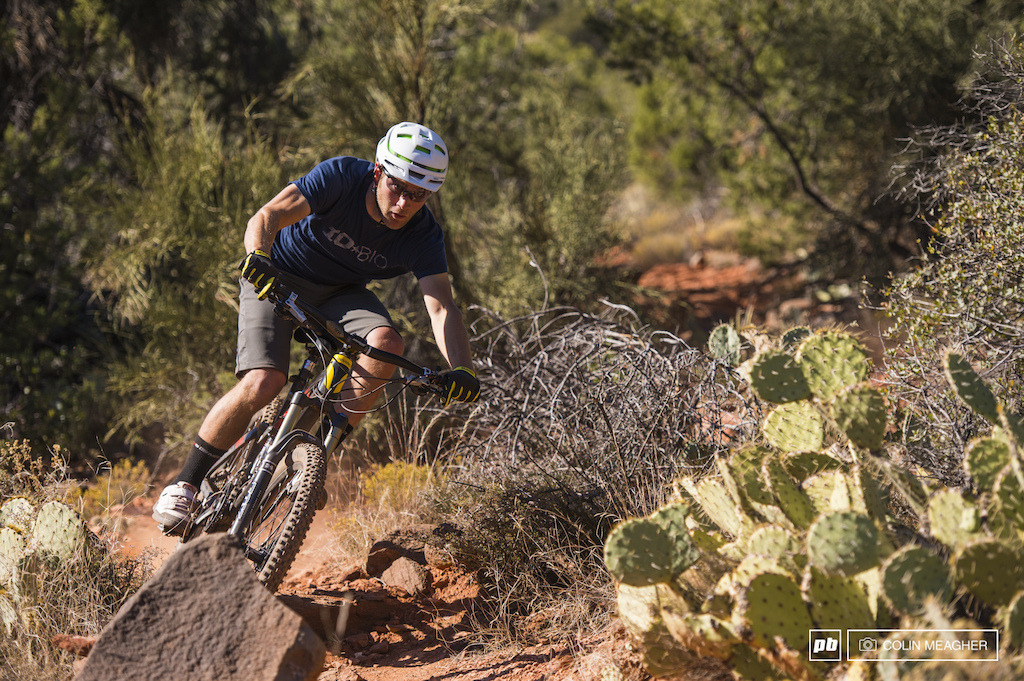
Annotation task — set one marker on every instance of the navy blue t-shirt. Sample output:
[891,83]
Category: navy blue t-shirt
[339,243]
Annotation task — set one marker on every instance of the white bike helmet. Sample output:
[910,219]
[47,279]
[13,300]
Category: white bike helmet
[415,154]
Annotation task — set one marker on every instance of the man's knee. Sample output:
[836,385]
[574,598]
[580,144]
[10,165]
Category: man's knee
[387,339]
[263,385]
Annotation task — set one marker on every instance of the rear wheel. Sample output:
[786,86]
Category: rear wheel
[285,512]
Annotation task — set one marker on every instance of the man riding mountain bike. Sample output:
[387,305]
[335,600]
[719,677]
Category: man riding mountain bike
[327,235]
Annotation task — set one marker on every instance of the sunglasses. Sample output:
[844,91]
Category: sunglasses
[401,190]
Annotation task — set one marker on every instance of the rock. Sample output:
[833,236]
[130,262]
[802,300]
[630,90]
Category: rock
[79,645]
[408,575]
[205,617]
[404,543]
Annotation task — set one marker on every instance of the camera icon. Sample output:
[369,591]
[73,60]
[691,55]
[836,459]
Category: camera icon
[867,645]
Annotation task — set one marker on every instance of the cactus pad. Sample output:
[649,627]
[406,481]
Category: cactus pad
[844,543]
[640,552]
[724,344]
[990,570]
[952,518]
[751,567]
[802,465]
[771,541]
[793,502]
[911,575]
[720,507]
[640,612]
[12,554]
[836,602]
[750,663]
[795,427]
[828,492]
[639,607]
[772,607]
[970,388]
[983,461]
[792,338]
[860,413]
[706,635]
[777,377]
[1006,510]
[17,514]
[59,531]
[8,614]
[868,495]
[672,518]
[1012,618]
[831,362]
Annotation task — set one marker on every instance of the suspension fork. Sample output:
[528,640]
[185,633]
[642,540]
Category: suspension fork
[266,465]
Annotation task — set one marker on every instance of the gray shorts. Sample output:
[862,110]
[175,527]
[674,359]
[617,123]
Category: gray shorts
[264,339]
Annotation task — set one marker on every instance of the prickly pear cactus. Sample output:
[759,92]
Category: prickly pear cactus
[803,464]
[991,570]
[831,362]
[970,388]
[793,502]
[724,344]
[795,427]
[12,555]
[911,575]
[792,338]
[640,609]
[983,461]
[777,377]
[773,608]
[640,553]
[844,543]
[714,500]
[836,602]
[952,519]
[797,533]
[859,411]
[17,514]
[1012,619]
[58,531]
[1006,505]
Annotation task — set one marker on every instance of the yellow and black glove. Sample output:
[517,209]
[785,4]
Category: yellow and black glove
[258,271]
[461,384]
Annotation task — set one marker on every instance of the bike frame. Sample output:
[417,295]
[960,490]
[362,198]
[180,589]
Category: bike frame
[342,348]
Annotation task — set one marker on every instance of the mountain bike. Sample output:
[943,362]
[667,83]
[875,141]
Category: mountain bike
[266,488]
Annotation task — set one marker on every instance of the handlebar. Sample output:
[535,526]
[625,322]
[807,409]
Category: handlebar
[288,305]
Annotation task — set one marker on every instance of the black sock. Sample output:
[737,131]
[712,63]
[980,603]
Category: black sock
[199,461]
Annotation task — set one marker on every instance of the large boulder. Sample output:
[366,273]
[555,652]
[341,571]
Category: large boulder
[205,617]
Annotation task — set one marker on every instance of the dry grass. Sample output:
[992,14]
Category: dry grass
[77,596]
[388,496]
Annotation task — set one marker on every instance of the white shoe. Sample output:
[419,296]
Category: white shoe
[175,506]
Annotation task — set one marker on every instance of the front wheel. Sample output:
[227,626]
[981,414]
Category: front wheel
[285,512]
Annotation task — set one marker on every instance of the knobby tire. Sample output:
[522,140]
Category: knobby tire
[286,511]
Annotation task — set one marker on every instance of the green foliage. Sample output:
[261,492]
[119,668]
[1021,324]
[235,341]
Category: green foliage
[795,109]
[165,255]
[534,152]
[55,126]
[965,293]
